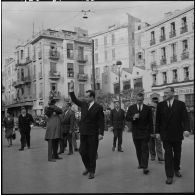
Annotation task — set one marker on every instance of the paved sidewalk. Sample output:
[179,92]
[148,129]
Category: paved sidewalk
[30,172]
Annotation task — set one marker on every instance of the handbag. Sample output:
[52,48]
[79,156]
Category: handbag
[14,135]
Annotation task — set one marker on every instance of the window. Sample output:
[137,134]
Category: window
[126,85]
[132,35]
[22,91]
[81,53]
[173,49]
[96,58]
[22,54]
[97,73]
[116,88]
[53,86]
[81,69]
[186,73]
[81,90]
[105,40]
[162,31]
[174,75]
[183,22]
[153,55]
[113,54]
[185,45]
[164,77]
[28,52]
[106,55]
[70,51]
[97,87]
[34,70]
[53,67]
[138,84]
[139,27]
[96,43]
[163,52]
[154,79]
[113,39]
[189,100]
[41,69]
[41,90]
[34,90]
[22,74]
[173,27]
[152,35]
[139,55]
[70,70]
[106,69]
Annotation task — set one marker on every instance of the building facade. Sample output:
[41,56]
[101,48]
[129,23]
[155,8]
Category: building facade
[169,56]
[46,64]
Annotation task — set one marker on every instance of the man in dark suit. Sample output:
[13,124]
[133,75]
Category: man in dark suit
[117,118]
[68,124]
[25,122]
[142,127]
[171,121]
[91,129]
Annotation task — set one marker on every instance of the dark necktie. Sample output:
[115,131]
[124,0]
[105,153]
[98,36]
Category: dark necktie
[139,109]
[169,104]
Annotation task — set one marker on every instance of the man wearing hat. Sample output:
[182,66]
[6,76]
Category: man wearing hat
[153,141]
[25,121]
[117,118]
[142,127]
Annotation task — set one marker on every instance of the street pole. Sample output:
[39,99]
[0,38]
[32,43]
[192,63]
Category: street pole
[119,88]
[93,65]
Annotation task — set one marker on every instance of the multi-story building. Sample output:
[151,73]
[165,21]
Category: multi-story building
[117,43]
[169,55]
[47,63]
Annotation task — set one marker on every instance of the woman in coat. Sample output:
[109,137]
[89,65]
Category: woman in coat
[9,126]
[53,130]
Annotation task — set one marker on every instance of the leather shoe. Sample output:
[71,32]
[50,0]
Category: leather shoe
[58,158]
[169,180]
[85,172]
[60,152]
[140,167]
[145,171]
[70,153]
[91,175]
[21,149]
[178,174]
[120,150]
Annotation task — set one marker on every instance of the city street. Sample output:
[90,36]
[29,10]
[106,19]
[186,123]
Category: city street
[30,172]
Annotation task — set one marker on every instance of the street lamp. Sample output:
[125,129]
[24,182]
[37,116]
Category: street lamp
[119,64]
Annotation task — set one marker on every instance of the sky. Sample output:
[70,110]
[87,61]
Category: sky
[18,17]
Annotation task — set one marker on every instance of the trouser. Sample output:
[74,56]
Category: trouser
[117,135]
[155,142]
[142,151]
[68,137]
[88,151]
[74,140]
[25,138]
[63,143]
[172,157]
[52,148]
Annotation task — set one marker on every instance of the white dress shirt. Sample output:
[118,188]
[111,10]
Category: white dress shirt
[140,107]
[171,102]
[91,104]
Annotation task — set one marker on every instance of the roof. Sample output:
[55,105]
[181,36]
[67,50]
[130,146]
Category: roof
[174,15]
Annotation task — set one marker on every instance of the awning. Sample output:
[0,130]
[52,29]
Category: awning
[19,104]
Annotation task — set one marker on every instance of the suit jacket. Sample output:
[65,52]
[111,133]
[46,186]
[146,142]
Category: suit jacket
[117,119]
[25,122]
[171,123]
[92,120]
[68,121]
[142,127]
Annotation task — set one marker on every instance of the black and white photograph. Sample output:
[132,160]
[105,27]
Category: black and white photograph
[97,97]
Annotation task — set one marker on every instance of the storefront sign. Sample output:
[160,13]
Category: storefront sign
[184,91]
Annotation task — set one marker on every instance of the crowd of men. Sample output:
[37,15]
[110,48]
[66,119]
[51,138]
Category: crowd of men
[154,127]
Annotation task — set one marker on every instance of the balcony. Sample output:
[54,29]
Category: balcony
[18,83]
[70,74]
[34,58]
[186,78]
[55,95]
[163,61]
[152,42]
[81,59]
[173,59]
[40,55]
[153,66]
[54,54]
[172,34]
[40,75]
[185,55]
[28,60]
[175,80]
[54,75]
[162,38]
[184,29]
[82,77]
[27,79]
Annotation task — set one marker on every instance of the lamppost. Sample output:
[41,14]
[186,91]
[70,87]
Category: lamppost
[119,64]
